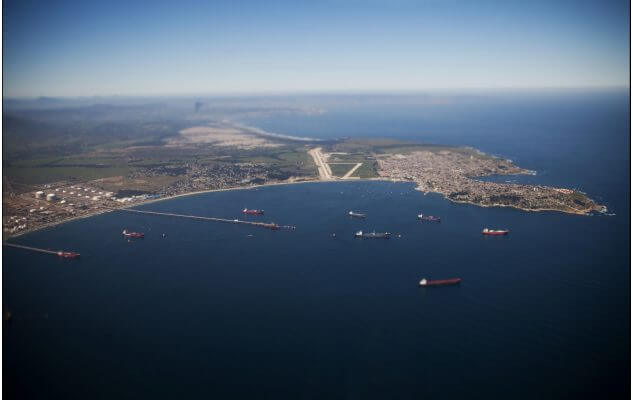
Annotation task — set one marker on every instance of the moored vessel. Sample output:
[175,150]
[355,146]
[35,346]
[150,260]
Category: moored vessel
[356,215]
[440,282]
[68,254]
[373,235]
[252,212]
[430,218]
[495,232]
[133,234]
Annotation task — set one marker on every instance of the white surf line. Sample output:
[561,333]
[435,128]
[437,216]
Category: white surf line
[351,171]
[262,132]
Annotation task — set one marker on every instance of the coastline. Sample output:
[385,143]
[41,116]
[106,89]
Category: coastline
[88,215]
[583,213]
[577,212]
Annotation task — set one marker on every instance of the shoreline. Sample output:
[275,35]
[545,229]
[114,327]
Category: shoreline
[583,213]
[578,212]
[384,179]
[88,215]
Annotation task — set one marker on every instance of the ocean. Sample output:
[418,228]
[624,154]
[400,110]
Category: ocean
[222,311]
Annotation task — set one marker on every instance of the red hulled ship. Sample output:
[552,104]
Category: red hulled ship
[133,234]
[68,254]
[441,282]
[252,212]
[493,232]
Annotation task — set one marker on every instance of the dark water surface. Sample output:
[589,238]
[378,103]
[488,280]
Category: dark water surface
[211,312]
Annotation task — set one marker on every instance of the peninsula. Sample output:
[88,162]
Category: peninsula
[454,173]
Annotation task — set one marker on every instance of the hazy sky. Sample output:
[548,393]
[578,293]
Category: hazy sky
[82,48]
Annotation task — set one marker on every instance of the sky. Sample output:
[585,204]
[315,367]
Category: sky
[102,48]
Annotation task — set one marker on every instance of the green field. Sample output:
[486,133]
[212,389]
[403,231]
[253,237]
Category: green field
[39,175]
[367,170]
[340,169]
[295,161]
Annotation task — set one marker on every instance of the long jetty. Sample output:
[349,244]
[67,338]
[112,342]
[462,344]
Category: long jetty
[270,225]
[60,253]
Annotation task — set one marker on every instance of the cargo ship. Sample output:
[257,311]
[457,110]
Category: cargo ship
[431,218]
[133,234]
[440,282]
[68,254]
[493,232]
[373,235]
[356,215]
[252,212]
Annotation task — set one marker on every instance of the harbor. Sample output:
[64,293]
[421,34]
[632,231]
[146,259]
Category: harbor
[213,277]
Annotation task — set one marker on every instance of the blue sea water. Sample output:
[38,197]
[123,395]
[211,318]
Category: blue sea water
[222,311]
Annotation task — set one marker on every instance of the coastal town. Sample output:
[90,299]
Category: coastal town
[57,202]
[455,173]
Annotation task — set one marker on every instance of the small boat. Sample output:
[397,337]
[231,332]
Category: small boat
[495,232]
[133,234]
[68,254]
[252,212]
[431,218]
[356,215]
[441,282]
[373,235]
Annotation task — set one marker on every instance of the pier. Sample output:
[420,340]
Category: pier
[60,253]
[270,225]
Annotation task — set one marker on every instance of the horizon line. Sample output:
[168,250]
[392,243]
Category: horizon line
[309,92]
